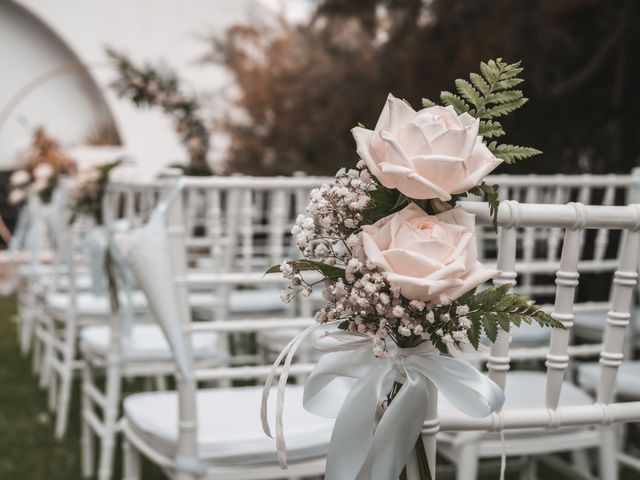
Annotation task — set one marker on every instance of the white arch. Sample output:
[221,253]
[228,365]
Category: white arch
[41,87]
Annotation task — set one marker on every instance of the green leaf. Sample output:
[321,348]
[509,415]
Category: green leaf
[509,83]
[504,321]
[426,103]
[490,323]
[490,129]
[480,83]
[513,153]
[328,271]
[467,90]
[504,108]
[473,334]
[455,101]
[504,96]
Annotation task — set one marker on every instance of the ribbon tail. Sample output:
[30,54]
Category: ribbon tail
[354,427]
[465,387]
[398,430]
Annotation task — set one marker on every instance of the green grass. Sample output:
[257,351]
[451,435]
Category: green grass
[28,450]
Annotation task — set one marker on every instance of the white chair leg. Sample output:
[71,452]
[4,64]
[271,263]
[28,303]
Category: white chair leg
[87,438]
[110,419]
[66,379]
[37,351]
[467,466]
[130,461]
[581,461]
[47,353]
[26,322]
[52,393]
[608,454]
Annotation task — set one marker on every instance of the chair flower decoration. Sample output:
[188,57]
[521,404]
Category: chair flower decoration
[398,263]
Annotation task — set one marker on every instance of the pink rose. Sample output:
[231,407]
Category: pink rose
[432,153]
[432,258]
[43,172]
[17,196]
[19,178]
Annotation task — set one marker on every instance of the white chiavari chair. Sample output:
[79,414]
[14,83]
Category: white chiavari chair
[117,350]
[214,433]
[544,413]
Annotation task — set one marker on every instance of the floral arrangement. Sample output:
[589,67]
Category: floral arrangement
[45,163]
[89,189]
[150,87]
[399,258]
[398,262]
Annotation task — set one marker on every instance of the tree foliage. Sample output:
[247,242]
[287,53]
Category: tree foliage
[302,88]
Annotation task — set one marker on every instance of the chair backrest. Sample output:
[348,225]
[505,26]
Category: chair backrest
[538,248]
[574,219]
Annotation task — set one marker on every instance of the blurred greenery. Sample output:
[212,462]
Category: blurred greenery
[27,448]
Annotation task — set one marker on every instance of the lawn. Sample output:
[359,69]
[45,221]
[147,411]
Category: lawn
[27,448]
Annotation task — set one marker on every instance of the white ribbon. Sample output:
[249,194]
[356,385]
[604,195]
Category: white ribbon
[349,384]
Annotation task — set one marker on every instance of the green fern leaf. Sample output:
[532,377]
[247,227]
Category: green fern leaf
[480,83]
[473,334]
[455,101]
[508,83]
[489,73]
[490,323]
[504,96]
[466,90]
[512,153]
[426,103]
[490,129]
[504,108]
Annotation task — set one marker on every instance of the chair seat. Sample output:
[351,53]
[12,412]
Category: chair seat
[146,342]
[90,305]
[229,429]
[241,301]
[627,381]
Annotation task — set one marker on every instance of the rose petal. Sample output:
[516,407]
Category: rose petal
[412,184]
[373,252]
[410,263]
[476,277]
[413,141]
[420,288]
[451,143]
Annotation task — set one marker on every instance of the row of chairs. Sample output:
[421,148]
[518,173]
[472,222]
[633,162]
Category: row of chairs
[222,233]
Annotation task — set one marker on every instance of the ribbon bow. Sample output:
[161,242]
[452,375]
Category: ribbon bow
[349,384]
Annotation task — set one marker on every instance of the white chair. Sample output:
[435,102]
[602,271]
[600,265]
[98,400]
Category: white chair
[544,413]
[212,433]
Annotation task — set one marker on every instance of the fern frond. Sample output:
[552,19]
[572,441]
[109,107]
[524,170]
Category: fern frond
[512,153]
[480,83]
[455,101]
[504,108]
[466,90]
[490,129]
[426,103]
[504,96]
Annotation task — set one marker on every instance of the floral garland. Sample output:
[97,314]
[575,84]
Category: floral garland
[149,87]
[45,163]
[398,260]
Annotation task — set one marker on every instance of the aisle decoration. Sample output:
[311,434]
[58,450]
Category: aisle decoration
[105,259]
[399,267]
[45,164]
[149,86]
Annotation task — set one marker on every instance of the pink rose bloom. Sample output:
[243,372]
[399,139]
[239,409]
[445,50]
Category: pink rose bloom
[432,258]
[44,171]
[16,196]
[432,153]
[19,178]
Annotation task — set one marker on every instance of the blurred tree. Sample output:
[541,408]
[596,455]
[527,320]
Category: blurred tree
[303,87]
